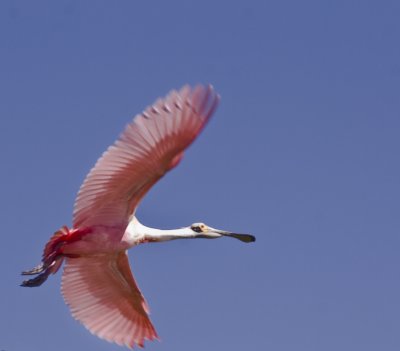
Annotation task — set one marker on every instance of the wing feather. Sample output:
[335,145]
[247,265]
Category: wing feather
[103,295]
[151,145]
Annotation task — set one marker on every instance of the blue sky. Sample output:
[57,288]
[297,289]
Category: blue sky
[303,152]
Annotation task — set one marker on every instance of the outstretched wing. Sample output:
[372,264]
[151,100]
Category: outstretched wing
[102,294]
[151,145]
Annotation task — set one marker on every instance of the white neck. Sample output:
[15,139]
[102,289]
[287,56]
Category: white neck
[137,233]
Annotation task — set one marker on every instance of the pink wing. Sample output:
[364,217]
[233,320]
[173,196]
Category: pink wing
[103,295]
[149,147]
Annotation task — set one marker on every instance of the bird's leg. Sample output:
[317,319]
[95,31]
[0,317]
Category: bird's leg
[38,280]
[38,269]
[52,259]
[45,270]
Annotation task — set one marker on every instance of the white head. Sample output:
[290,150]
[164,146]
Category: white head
[138,233]
[201,230]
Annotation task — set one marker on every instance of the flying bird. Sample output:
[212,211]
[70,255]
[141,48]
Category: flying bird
[97,283]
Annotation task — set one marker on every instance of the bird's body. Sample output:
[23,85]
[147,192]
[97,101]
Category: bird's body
[97,283]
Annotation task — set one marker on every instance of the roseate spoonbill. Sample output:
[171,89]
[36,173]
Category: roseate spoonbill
[97,282]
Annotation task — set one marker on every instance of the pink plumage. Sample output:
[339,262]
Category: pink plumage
[104,296]
[97,283]
[145,151]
